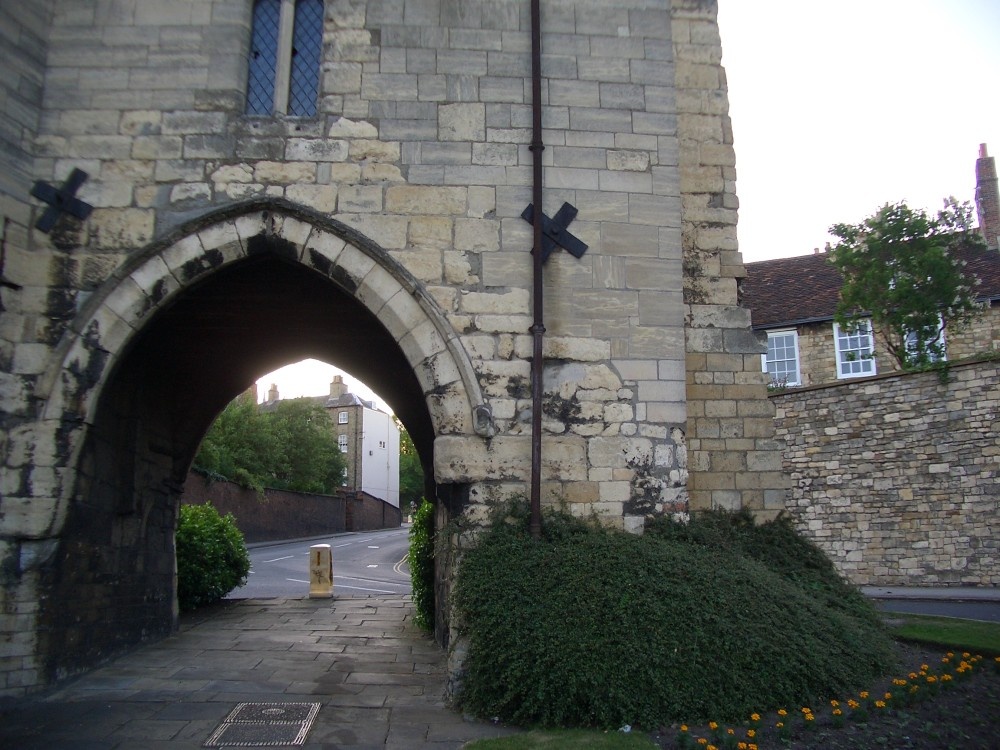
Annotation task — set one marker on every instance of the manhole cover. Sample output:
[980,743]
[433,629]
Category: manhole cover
[265,725]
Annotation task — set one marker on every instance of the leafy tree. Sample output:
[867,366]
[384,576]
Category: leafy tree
[291,447]
[900,270]
[411,472]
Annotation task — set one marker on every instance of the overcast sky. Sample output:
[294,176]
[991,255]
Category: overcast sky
[839,108]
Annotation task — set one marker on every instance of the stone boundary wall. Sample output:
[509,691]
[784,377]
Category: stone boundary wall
[897,477]
[291,515]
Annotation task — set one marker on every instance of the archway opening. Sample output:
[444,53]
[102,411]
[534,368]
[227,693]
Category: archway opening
[115,563]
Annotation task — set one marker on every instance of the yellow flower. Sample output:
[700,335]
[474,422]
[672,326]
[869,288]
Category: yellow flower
[863,695]
[946,678]
[752,746]
[966,654]
[924,667]
[879,704]
[713,725]
[834,703]
[779,725]
[751,733]
[730,731]
[888,696]
[853,703]
[782,712]
[754,717]
[684,727]
[837,712]
[809,717]
[702,741]
[741,746]
[711,747]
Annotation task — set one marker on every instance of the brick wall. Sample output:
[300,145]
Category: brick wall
[291,515]
[897,477]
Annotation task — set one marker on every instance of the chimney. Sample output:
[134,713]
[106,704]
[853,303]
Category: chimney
[987,198]
[337,387]
[272,395]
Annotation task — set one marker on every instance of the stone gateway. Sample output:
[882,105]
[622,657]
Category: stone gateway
[252,183]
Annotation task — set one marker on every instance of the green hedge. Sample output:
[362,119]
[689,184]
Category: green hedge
[212,558]
[594,627]
[421,562]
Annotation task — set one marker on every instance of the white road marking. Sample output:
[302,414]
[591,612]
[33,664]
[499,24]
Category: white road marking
[286,557]
[362,588]
[296,580]
[373,566]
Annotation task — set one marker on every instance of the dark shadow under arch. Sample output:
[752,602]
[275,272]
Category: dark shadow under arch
[111,583]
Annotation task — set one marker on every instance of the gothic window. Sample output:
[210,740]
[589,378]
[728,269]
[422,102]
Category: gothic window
[782,359]
[285,49]
[855,350]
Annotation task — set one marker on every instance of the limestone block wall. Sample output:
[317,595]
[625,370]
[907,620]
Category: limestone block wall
[897,477]
[404,193]
[733,459]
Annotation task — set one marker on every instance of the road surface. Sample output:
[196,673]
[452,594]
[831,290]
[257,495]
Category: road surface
[370,562]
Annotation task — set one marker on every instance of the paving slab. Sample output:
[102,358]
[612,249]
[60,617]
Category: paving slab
[379,680]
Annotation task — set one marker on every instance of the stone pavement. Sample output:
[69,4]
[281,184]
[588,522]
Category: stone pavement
[378,679]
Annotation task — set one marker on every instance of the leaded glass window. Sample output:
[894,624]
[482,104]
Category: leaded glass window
[263,64]
[286,48]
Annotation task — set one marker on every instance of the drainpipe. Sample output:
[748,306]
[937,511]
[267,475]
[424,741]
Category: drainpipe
[538,327]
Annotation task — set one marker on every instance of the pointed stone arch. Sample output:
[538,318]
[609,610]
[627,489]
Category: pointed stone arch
[356,265]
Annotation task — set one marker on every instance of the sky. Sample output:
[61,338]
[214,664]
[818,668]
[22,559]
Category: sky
[310,377]
[839,108]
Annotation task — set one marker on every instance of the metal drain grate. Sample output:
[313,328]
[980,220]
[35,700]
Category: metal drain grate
[265,725]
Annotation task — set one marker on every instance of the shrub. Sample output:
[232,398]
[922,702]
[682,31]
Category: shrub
[212,558]
[595,627]
[421,561]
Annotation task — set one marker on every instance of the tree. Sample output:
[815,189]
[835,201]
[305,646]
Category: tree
[411,472]
[900,270]
[292,447]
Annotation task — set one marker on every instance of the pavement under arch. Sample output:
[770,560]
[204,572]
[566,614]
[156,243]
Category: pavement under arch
[379,680]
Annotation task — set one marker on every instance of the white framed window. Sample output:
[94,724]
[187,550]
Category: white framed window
[342,443]
[855,350]
[782,359]
[342,417]
[286,48]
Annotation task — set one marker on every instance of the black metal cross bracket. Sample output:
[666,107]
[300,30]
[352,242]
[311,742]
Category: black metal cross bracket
[61,200]
[554,232]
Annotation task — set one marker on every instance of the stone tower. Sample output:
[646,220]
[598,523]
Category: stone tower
[185,207]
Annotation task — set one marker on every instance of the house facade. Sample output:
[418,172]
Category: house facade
[793,301]
[367,437]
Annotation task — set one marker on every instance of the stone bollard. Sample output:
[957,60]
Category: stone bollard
[320,571]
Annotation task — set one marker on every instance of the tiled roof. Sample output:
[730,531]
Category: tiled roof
[785,291]
[789,291]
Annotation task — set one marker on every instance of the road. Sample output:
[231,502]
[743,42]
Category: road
[363,563]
